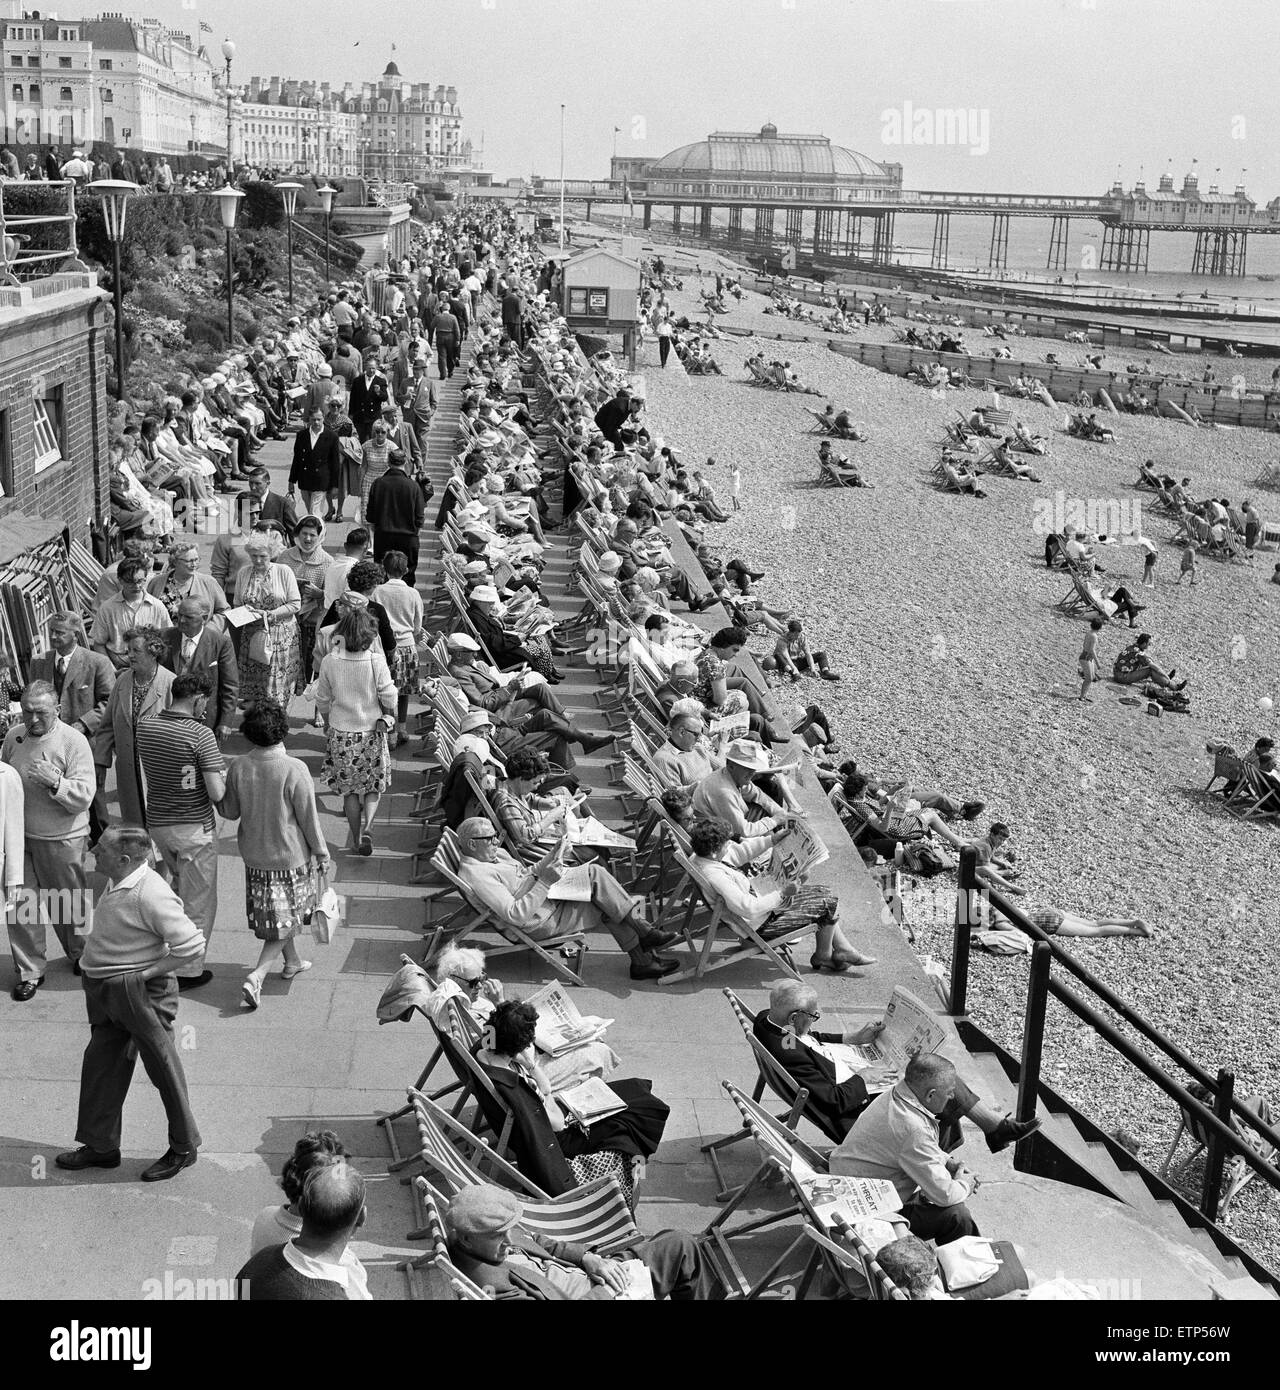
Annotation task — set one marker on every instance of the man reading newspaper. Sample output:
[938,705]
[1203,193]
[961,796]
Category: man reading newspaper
[486,1244]
[841,1083]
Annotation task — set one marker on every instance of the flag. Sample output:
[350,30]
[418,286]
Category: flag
[617,130]
[206,28]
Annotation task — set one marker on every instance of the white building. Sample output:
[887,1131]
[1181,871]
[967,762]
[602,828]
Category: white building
[297,127]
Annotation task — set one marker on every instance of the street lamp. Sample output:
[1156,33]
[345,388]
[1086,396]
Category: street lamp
[289,195]
[326,196]
[115,198]
[229,205]
[562,176]
[229,52]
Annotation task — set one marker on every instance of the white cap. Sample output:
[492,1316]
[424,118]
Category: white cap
[477,719]
[484,593]
[462,642]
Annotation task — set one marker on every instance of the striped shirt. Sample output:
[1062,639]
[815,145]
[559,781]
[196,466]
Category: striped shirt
[175,751]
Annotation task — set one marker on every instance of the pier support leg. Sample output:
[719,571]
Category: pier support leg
[1059,244]
[648,216]
[998,251]
[704,227]
[941,240]
[735,226]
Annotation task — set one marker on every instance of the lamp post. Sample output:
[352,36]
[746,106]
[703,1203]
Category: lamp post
[326,196]
[289,196]
[115,198]
[229,52]
[229,205]
[562,176]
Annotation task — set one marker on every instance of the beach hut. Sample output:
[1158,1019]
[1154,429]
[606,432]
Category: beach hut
[600,292]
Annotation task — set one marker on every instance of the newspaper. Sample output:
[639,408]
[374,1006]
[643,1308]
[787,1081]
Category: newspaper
[573,885]
[594,833]
[591,1100]
[731,725]
[241,616]
[845,1199]
[792,857]
[639,1283]
[909,1027]
[561,1027]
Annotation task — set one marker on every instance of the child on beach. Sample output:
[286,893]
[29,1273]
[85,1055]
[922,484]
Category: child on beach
[1089,659]
[1150,552]
[1188,566]
[735,487]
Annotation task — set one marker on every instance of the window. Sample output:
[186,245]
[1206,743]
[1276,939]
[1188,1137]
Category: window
[68,35]
[33,61]
[15,60]
[109,130]
[64,62]
[34,92]
[17,91]
[108,96]
[104,64]
[6,457]
[65,94]
[49,428]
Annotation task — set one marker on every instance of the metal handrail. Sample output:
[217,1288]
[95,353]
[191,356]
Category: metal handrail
[1046,951]
[21,257]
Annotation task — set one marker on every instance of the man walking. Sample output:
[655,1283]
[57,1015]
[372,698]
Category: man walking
[448,341]
[140,933]
[396,512]
[369,393]
[192,646]
[185,778]
[55,764]
[420,403]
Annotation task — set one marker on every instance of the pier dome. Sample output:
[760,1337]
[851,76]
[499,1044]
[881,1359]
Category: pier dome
[768,155]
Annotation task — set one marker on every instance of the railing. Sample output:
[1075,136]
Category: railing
[25,235]
[1215,1122]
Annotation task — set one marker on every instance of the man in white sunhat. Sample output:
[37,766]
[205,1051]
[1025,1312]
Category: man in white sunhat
[732,796]
[519,896]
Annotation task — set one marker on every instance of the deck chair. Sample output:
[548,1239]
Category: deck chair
[851,1265]
[831,474]
[822,424]
[446,861]
[769,1076]
[749,942]
[1228,769]
[464,1290]
[1084,600]
[595,1214]
[1256,797]
[951,479]
[1236,1174]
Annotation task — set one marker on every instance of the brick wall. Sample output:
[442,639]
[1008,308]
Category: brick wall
[62,341]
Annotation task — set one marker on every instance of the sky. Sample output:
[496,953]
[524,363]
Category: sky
[1056,94]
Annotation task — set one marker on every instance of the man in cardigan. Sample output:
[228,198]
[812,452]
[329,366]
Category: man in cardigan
[480,1222]
[140,934]
[56,766]
[318,1263]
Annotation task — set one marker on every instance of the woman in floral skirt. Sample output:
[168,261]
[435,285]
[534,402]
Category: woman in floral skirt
[357,698]
[269,649]
[280,840]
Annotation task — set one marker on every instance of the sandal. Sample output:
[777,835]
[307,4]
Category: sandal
[291,972]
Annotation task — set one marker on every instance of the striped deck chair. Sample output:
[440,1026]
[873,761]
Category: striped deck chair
[822,423]
[1079,599]
[851,1264]
[769,1076]
[748,943]
[1256,797]
[464,1290]
[446,861]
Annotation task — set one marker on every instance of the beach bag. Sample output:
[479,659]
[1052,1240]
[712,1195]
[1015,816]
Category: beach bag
[1175,701]
[328,916]
[921,858]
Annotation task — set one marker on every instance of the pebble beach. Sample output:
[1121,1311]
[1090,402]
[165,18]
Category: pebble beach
[959,672]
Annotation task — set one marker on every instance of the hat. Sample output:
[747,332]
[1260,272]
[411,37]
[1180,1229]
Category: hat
[484,593]
[218,379]
[481,1210]
[474,508]
[747,754]
[325,369]
[475,567]
[477,719]
[460,641]
[610,562]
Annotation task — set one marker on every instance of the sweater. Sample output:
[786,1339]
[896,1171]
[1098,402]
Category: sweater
[12,827]
[269,1278]
[403,607]
[259,784]
[61,814]
[354,690]
[136,923]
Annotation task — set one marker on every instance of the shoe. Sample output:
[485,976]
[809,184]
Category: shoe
[25,989]
[655,940]
[828,675]
[592,742]
[854,958]
[1181,685]
[365,846]
[978,492]
[251,991]
[971,810]
[1009,1131]
[79,1159]
[169,1165]
[291,972]
[194,981]
[654,969]
[831,963]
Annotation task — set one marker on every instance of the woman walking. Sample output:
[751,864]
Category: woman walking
[346,469]
[269,652]
[357,698]
[378,452]
[280,841]
[310,562]
[403,607]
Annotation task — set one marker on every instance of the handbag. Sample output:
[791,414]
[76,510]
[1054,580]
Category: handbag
[328,914]
[259,649]
[351,448]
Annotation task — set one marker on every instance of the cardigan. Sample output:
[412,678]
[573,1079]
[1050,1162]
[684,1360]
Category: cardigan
[61,813]
[355,689]
[260,784]
[136,923]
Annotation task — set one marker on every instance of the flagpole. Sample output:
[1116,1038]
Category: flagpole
[562,176]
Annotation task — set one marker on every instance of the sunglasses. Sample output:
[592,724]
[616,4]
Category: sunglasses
[477,982]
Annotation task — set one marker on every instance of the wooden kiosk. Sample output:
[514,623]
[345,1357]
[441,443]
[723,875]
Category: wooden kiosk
[600,293]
